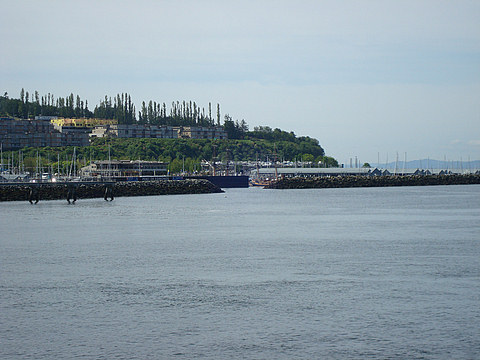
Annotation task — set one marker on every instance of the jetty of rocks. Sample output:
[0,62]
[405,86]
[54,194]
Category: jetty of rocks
[84,190]
[372,181]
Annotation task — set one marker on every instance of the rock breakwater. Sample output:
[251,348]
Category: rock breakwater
[372,181]
[56,191]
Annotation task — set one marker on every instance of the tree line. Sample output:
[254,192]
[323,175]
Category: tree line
[185,113]
[120,108]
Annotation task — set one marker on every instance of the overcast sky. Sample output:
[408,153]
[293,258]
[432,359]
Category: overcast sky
[363,77]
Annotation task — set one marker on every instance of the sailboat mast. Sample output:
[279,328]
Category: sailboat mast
[74,161]
[396,164]
[275,160]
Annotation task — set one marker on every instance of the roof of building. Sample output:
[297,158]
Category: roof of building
[319,171]
[127,162]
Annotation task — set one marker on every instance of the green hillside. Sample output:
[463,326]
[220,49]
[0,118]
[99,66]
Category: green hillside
[263,143]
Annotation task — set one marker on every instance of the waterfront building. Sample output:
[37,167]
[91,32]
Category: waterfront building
[125,169]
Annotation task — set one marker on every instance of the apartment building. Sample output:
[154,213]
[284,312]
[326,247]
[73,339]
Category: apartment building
[135,131]
[17,134]
[199,132]
[159,132]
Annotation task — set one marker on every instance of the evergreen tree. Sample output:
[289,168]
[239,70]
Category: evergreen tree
[27,106]
[150,112]
[78,107]
[143,112]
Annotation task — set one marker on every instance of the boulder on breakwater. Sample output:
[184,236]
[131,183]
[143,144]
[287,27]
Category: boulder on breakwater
[56,191]
[372,181]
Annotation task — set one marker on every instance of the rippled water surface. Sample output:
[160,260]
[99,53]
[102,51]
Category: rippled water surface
[251,273]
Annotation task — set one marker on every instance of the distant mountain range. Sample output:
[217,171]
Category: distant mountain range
[431,164]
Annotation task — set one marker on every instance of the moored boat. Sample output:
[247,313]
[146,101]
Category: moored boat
[259,182]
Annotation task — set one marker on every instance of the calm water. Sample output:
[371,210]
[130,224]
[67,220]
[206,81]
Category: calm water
[252,273]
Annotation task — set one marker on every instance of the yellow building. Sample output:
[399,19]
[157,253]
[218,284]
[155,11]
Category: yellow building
[82,122]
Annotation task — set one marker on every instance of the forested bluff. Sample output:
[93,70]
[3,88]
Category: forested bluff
[261,143]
